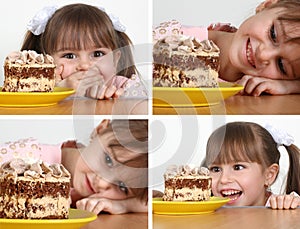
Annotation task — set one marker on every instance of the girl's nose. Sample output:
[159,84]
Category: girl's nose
[226,177]
[265,54]
[84,64]
[101,184]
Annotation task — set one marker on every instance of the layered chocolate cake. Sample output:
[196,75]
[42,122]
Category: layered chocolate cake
[187,183]
[183,61]
[28,71]
[34,191]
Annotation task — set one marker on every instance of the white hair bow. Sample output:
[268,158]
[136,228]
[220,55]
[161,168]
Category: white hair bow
[281,137]
[38,23]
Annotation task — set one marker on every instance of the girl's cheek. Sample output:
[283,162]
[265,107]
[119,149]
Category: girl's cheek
[67,70]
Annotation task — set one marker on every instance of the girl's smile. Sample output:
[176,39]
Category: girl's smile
[89,185]
[249,54]
[232,194]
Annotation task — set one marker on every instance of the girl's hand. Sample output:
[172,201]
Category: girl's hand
[96,205]
[90,84]
[81,81]
[290,201]
[257,85]
[105,91]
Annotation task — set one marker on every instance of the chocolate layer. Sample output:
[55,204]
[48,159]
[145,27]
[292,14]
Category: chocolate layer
[33,189]
[188,183]
[187,62]
[27,78]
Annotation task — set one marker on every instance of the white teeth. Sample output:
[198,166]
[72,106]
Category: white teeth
[248,53]
[230,192]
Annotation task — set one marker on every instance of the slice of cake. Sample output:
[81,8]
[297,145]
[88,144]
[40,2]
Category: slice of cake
[182,61]
[28,71]
[187,183]
[34,191]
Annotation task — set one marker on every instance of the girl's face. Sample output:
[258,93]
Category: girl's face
[258,48]
[243,183]
[97,172]
[70,61]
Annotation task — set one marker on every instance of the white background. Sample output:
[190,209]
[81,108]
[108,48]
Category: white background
[15,14]
[182,140]
[202,12]
[48,129]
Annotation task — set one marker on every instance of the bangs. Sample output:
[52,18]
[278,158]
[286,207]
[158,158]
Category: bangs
[79,27]
[231,144]
[76,39]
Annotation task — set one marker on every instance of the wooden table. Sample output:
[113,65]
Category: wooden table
[228,217]
[124,221]
[239,104]
[83,106]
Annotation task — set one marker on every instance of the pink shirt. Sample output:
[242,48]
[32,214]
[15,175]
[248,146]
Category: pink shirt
[30,149]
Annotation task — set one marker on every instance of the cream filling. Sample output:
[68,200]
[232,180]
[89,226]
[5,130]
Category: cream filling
[198,78]
[29,84]
[185,194]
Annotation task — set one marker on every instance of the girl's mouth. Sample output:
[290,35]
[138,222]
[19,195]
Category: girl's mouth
[249,53]
[233,195]
[89,186]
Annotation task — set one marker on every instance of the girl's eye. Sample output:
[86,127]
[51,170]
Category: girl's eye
[238,167]
[98,54]
[123,187]
[69,56]
[215,169]
[108,160]
[281,66]
[273,34]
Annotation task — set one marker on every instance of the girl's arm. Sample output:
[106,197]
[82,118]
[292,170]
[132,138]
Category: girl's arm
[257,85]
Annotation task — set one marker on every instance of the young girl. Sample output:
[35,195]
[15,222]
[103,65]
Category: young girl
[110,174]
[262,54]
[91,50]
[243,158]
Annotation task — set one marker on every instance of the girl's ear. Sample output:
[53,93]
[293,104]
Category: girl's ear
[265,4]
[271,174]
[103,125]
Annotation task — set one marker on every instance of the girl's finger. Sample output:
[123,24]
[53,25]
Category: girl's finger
[110,91]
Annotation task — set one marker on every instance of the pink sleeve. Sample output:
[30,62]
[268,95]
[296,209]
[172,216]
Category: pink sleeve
[30,149]
[133,87]
[198,32]
[174,27]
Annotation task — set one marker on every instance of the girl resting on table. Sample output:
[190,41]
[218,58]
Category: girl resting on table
[90,48]
[243,159]
[109,174]
[263,54]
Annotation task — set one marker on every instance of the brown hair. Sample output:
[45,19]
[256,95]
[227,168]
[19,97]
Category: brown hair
[247,141]
[130,137]
[80,26]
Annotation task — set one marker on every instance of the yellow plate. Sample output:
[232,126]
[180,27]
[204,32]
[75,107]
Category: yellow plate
[34,99]
[187,97]
[77,219]
[187,207]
